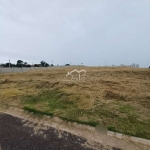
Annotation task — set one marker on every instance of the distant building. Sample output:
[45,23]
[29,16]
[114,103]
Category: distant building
[122,65]
[133,65]
[137,65]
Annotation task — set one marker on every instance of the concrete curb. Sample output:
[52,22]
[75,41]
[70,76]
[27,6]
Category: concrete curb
[130,138]
[69,127]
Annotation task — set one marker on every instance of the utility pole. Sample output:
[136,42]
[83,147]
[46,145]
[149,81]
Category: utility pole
[9,63]
[105,61]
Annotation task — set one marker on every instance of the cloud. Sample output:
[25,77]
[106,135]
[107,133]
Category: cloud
[76,31]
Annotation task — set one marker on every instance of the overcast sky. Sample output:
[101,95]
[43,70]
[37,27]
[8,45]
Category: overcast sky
[76,31]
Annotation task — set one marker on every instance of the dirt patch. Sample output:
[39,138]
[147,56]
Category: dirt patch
[109,95]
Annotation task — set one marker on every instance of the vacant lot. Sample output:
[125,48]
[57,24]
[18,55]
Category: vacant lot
[116,97]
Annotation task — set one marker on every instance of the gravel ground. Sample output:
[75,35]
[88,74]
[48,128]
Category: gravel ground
[15,136]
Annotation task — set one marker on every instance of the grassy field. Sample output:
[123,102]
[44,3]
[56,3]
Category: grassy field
[116,97]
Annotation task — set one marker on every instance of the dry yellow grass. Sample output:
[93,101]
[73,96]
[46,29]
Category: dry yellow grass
[118,91]
[101,85]
[106,85]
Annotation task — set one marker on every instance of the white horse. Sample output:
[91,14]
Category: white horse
[83,75]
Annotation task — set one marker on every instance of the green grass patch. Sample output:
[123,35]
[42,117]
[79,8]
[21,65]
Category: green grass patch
[35,111]
[90,123]
[127,109]
[124,119]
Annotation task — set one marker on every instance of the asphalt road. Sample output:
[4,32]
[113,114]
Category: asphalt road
[15,136]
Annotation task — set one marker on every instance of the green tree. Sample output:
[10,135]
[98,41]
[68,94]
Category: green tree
[46,65]
[7,64]
[52,65]
[43,63]
[19,62]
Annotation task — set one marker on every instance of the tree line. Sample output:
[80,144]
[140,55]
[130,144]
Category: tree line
[20,63]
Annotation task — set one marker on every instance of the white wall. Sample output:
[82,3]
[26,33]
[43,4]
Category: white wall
[9,70]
